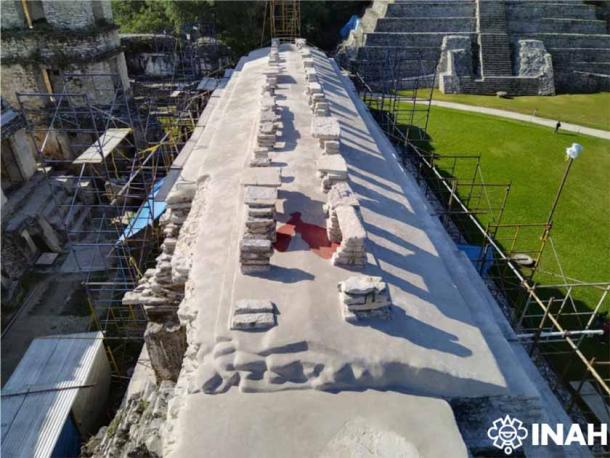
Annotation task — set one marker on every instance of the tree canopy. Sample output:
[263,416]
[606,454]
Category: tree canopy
[239,24]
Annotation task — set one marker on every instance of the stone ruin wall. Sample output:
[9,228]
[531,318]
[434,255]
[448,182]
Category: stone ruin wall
[63,14]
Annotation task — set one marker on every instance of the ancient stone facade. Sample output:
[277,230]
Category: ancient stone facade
[571,38]
[42,41]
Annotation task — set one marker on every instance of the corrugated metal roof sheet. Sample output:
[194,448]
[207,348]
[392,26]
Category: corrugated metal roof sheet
[38,397]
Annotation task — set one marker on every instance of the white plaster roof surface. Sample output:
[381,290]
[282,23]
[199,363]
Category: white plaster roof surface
[442,341]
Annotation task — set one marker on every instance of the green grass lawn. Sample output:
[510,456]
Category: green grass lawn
[591,110]
[532,158]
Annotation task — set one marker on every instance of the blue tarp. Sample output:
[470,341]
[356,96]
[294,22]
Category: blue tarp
[473,252]
[350,25]
[143,217]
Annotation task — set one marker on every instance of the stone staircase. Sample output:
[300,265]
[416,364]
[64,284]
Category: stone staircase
[573,32]
[494,44]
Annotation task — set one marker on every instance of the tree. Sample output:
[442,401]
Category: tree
[239,24]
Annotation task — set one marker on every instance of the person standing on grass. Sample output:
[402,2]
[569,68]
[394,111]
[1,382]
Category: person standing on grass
[557,126]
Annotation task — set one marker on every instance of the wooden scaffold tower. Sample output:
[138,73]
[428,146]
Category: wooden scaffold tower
[285,19]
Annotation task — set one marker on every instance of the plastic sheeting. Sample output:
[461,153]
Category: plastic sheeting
[148,212]
[350,25]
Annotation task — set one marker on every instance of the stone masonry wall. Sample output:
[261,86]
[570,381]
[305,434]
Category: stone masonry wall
[54,47]
[11,16]
[68,14]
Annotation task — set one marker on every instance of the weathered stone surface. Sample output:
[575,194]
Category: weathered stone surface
[260,196]
[341,194]
[166,343]
[360,284]
[253,306]
[255,245]
[253,321]
[262,177]
[325,128]
[333,164]
[136,429]
[533,60]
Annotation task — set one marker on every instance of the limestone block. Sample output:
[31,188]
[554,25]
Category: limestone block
[533,60]
[333,164]
[260,196]
[311,75]
[166,343]
[364,297]
[253,321]
[262,177]
[183,191]
[321,109]
[315,99]
[351,251]
[268,115]
[314,88]
[325,128]
[331,179]
[253,306]
[260,162]
[255,246]
[362,285]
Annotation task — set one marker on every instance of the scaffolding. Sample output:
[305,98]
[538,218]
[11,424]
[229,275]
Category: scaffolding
[562,322]
[285,19]
[113,152]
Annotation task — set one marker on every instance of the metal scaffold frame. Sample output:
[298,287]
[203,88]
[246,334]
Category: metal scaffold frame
[285,19]
[562,334]
[114,152]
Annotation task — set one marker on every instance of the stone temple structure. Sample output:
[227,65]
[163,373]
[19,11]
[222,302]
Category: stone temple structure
[307,302]
[523,47]
[43,40]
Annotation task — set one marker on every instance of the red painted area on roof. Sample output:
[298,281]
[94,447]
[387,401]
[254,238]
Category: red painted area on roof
[314,236]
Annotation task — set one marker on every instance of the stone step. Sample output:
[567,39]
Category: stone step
[565,56]
[495,55]
[491,15]
[593,67]
[425,24]
[535,9]
[579,80]
[377,53]
[399,39]
[511,85]
[570,40]
[431,9]
[556,25]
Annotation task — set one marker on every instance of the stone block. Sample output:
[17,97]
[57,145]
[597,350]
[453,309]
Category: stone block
[253,321]
[332,164]
[255,246]
[253,306]
[166,344]
[262,177]
[325,128]
[260,196]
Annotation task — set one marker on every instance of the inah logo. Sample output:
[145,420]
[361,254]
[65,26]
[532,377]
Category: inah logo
[507,433]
